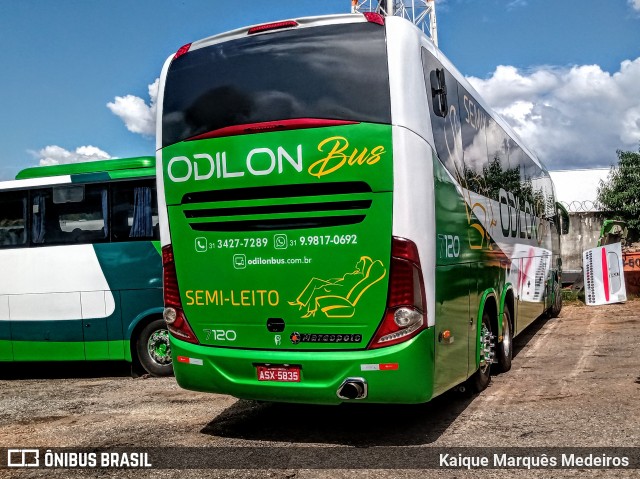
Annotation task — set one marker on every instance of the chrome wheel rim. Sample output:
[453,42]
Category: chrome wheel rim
[159,348]
[506,338]
[487,349]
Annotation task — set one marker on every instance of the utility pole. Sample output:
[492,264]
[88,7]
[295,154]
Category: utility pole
[420,12]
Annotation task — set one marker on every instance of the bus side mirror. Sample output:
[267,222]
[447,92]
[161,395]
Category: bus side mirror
[439,92]
[563,216]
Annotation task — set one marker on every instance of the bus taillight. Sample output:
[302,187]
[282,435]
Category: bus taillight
[173,314]
[373,17]
[182,50]
[405,315]
[272,26]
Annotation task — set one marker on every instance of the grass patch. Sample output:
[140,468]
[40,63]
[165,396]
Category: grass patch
[571,296]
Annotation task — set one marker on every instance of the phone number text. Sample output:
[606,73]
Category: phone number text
[321,240]
[232,243]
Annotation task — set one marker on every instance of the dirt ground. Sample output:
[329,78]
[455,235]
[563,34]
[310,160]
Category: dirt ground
[575,382]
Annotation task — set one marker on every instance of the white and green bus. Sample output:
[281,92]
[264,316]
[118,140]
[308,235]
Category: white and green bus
[81,267]
[343,217]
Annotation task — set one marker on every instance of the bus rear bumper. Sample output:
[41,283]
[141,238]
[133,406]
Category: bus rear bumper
[396,374]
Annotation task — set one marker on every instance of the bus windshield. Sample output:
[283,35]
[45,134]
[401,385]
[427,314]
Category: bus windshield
[326,72]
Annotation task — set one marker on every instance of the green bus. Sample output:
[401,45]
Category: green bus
[343,218]
[81,263]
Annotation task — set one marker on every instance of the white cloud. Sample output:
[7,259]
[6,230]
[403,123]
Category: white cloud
[517,3]
[572,117]
[635,4]
[56,155]
[138,116]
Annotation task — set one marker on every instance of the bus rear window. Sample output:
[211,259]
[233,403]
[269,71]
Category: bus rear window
[336,72]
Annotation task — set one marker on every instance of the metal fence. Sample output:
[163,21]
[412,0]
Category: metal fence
[581,206]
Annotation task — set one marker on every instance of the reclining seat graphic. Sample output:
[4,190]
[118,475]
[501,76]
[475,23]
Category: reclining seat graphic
[338,297]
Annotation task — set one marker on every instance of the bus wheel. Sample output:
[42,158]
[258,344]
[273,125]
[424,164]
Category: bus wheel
[153,348]
[556,307]
[481,378]
[505,349]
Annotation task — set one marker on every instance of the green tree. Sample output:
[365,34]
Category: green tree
[620,194]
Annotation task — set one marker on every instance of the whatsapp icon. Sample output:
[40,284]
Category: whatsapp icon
[280,241]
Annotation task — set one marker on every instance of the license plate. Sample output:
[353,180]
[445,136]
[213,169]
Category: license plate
[282,374]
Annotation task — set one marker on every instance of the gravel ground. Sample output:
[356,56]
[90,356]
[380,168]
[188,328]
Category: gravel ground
[575,382]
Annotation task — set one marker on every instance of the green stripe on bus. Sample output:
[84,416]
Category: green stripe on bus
[68,350]
[90,178]
[143,163]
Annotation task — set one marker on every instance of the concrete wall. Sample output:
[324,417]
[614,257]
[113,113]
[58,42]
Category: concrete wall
[584,232]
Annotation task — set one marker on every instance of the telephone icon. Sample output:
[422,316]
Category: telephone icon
[201,245]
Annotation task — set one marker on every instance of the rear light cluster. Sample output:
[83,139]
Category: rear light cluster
[173,314]
[272,26]
[182,50]
[373,17]
[405,315]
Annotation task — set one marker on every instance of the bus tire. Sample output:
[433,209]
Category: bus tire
[153,348]
[556,307]
[505,348]
[479,381]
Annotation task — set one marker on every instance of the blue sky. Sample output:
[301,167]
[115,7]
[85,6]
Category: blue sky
[565,73]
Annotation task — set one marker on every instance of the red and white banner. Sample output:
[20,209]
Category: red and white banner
[603,276]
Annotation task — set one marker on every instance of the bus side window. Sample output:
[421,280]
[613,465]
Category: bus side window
[13,214]
[134,213]
[75,214]
[497,172]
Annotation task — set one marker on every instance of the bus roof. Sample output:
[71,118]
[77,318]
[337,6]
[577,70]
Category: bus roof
[300,22]
[118,168]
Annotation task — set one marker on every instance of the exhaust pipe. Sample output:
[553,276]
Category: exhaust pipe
[353,388]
